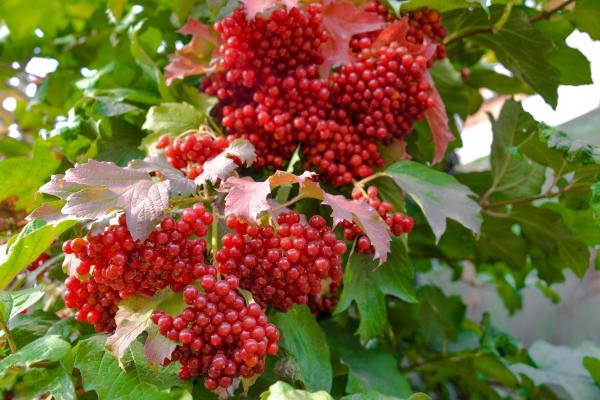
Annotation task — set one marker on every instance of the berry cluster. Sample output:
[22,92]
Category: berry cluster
[189,154]
[282,265]
[398,222]
[220,336]
[172,255]
[95,303]
[270,93]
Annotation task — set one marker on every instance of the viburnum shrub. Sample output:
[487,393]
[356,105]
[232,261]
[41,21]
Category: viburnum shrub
[261,199]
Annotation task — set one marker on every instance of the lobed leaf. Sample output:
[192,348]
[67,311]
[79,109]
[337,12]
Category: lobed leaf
[224,164]
[13,303]
[47,348]
[283,391]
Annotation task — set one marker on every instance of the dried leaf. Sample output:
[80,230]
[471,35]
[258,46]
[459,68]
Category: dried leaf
[342,20]
[366,217]
[157,347]
[193,58]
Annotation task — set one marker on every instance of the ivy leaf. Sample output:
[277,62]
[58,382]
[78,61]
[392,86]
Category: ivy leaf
[439,195]
[375,370]
[193,58]
[12,303]
[222,166]
[254,7]
[367,285]
[342,20]
[47,348]
[56,381]
[179,184]
[22,176]
[562,366]
[173,118]
[247,199]
[133,318]
[283,391]
[32,241]
[366,217]
[100,372]
[437,118]
[302,337]
[110,187]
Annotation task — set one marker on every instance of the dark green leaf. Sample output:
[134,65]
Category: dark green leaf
[499,242]
[595,203]
[47,348]
[28,327]
[592,364]
[499,83]
[303,338]
[439,316]
[367,284]
[586,17]
[439,195]
[458,97]
[12,303]
[55,381]
[172,118]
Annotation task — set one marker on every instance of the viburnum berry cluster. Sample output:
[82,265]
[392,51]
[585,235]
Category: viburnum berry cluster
[95,302]
[172,256]
[270,92]
[282,265]
[399,223]
[219,336]
[188,154]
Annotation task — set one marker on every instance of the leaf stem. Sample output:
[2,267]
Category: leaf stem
[505,15]
[370,178]
[9,338]
[287,203]
[549,13]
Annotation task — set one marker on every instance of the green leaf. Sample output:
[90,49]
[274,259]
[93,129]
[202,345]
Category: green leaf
[116,7]
[375,370]
[439,195]
[28,327]
[56,381]
[592,364]
[101,372]
[303,338]
[595,203]
[458,97]
[439,5]
[548,232]
[513,45]
[172,118]
[439,317]
[577,152]
[283,391]
[12,303]
[502,84]
[22,176]
[499,242]
[47,348]
[586,17]
[11,147]
[562,366]
[32,241]
[366,283]
[513,175]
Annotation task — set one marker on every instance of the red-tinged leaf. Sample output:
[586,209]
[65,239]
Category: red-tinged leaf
[59,187]
[179,184]
[49,212]
[254,7]
[133,318]
[438,122]
[157,347]
[247,199]
[193,58]
[397,32]
[366,217]
[70,264]
[109,187]
[222,166]
[342,20]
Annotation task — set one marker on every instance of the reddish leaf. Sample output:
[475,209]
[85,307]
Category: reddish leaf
[49,212]
[59,187]
[366,217]
[180,185]
[342,20]
[247,199]
[70,264]
[193,58]
[253,7]
[157,347]
[397,32]
[438,122]
[222,166]
[109,187]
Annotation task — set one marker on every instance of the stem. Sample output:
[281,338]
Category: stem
[549,13]
[453,358]
[9,338]
[287,203]
[370,178]
[529,199]
[505,14]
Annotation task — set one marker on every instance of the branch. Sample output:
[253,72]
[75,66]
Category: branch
[493,29]
[9,338]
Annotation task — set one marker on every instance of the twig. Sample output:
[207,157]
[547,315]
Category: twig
[370,178]
[549,13]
